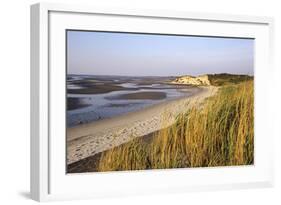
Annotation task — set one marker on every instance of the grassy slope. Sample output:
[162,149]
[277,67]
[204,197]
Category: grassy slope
[227,79]
[219,133]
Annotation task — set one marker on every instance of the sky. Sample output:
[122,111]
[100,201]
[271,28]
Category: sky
[131,54]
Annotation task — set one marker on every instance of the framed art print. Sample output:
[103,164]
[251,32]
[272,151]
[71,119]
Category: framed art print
[133,102]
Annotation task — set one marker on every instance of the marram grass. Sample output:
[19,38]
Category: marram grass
[218,133]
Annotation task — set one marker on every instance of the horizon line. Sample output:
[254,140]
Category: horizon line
[163,75]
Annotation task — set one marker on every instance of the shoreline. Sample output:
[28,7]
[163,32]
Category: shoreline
[89,139]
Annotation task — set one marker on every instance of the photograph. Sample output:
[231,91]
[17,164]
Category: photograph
[150,101]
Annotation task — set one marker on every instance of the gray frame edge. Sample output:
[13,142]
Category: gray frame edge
[39,187]
[34,102]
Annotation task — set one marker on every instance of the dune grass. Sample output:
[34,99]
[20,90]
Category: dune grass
[218,133]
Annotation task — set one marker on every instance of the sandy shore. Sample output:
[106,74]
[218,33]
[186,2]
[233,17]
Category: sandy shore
[92,138]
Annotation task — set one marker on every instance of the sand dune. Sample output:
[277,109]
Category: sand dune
[89,139]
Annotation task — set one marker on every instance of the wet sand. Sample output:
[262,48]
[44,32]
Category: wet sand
[101,85]
[89,139]
[98,89]
[75,103]
[140,96]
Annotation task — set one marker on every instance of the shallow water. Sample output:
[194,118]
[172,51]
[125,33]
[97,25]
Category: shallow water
[93,107]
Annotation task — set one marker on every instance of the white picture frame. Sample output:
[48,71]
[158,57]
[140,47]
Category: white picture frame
[49,182]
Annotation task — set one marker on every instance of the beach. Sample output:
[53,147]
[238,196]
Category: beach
[136,101]
[89,139]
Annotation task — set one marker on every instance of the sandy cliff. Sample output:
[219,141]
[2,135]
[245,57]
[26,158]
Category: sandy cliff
[191,80]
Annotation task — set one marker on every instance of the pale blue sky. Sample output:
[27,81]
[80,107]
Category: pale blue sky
[107,53]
